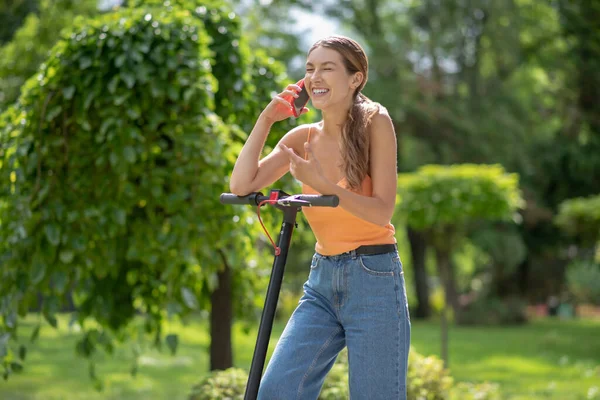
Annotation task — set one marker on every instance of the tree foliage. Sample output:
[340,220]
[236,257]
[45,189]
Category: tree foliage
[115,159]
[438,196]
[12,14]
[443,202]
[21,57]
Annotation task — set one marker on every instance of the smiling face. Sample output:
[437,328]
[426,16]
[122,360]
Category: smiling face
[328,80]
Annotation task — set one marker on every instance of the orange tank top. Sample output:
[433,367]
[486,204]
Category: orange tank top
[338,231]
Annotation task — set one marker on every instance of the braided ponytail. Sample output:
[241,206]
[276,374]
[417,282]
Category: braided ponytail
[356,140]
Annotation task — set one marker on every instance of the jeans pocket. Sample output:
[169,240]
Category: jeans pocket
[378,264]
[314,264]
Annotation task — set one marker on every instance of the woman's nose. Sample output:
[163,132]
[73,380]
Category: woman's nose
[315,76]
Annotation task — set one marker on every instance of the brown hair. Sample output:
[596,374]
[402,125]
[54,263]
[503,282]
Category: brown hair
[355,131]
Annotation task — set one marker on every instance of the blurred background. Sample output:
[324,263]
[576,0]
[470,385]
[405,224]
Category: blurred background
[123,277]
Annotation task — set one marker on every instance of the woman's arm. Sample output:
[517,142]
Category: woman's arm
[250,174]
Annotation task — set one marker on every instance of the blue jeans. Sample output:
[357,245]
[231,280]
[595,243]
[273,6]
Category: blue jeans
[350,300]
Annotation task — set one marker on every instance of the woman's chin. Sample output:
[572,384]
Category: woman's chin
[318,105]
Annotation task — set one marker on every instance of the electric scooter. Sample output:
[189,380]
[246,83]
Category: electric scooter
[290,205]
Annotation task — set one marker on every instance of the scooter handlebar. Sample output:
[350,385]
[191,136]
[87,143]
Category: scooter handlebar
[317,200]
[303,200]
[252,198]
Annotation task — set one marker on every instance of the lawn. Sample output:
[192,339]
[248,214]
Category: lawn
[547,359]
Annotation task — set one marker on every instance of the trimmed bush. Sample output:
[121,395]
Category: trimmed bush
[437,196]
[229,384]
[427,380]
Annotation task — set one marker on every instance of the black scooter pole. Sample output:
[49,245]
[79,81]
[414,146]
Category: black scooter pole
[290,205]
[268,314]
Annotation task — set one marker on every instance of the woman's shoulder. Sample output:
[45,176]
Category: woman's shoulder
[296,136]
[298,130]
[381,125]
[381,111]
[303,130]
[380,116]
[375,109]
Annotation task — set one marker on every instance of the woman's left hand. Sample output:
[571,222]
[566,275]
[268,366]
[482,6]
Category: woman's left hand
[307,171]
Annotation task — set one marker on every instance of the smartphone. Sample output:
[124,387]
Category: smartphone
[299,102]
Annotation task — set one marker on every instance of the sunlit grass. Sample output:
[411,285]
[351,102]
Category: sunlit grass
[543,360]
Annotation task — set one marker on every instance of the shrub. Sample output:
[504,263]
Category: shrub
[437,196]
[427,379]
[19,59]
[229,384]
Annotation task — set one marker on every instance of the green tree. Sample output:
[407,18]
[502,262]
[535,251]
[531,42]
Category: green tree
[247,78]
[238,99]
[271,25]
[21,57]
[12,14]
[114,161]
[443,202]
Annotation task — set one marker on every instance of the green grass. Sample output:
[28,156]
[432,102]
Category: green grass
[53,371]
[544,360]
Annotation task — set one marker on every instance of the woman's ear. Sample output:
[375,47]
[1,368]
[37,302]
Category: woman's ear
[357,79]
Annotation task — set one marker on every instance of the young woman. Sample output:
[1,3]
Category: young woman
[355,294]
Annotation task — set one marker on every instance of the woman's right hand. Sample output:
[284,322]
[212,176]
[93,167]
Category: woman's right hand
[280,106]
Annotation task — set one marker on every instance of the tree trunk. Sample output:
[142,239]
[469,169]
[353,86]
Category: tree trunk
[221,354]
[446,271]
[444,336]
[418,247]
